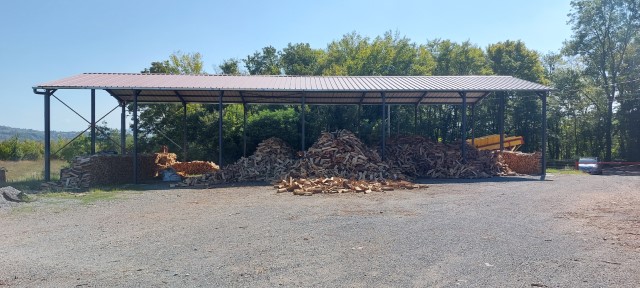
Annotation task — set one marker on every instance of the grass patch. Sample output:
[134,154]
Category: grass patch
[564,171]
[30,171]
[84,198]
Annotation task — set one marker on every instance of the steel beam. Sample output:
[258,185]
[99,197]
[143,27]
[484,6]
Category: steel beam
[244,130]
[123,128]
[388,120]
[463,144]
[184,131]
[47,135]
[302,115]
[501,121]
[473,125]
[220,128]
[415,119]
[135,136]
[93,121]
[383,123]
[543,162]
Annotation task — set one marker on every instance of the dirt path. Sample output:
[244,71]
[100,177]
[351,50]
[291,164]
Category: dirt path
[576,230]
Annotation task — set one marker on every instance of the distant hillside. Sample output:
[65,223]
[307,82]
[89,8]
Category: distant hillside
[30,134]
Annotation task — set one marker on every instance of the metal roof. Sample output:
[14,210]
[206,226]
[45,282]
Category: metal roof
[291,89]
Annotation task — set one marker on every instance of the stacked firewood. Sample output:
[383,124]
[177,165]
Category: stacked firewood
[341,154]
[521,163]
[308,187]
[88,171]
[271,161]
[417,156]
[195,167]
[164,160]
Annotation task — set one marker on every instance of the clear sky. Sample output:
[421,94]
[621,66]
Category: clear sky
[47,40]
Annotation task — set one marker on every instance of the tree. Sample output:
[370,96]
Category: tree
[266,62]
[603,31]
[230,67]
[161,124]
[513,58]
[300,59]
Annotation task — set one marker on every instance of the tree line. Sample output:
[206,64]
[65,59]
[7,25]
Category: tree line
[594,111]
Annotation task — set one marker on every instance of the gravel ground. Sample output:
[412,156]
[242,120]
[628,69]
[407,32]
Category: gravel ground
[569,231]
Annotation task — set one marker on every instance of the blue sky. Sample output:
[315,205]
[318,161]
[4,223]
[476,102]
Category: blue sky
[47,40]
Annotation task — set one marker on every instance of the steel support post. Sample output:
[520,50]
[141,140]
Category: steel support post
[135,136]
[463,144]
[359,118]
[184,131]
[473,124]
[384,134]
[244,130]
[415,119]
[302,116]
[543,162]
[220,111]
[93,121]
[123,128]
[47,135]
[501,124]
[388,121]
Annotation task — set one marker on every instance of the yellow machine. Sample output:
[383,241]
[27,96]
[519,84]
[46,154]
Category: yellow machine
[492,142]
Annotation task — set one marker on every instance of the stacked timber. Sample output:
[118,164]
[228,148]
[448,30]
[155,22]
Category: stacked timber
[195,167]
[164,160]
[308,187]
[271,161]
[87,171]
[419,157]
[521,163]
[341,154]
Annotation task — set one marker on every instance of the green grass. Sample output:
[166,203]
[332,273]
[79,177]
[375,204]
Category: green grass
[28,175]
[20,171]
[94,195]
[564,171]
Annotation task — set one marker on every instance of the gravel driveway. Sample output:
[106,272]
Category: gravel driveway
[571,231]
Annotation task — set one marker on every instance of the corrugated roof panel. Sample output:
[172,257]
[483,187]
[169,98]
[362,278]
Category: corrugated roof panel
[271,88]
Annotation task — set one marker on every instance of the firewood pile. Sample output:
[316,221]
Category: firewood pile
[194,167]
[521,163]
[416,156]
[88,171]
[165,160]
[271,161]
[308,187]
[341,154]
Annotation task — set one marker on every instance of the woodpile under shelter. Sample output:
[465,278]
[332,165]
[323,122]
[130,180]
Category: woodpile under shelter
[141,88]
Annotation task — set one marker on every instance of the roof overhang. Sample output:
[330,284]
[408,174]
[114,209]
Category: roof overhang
[319,90]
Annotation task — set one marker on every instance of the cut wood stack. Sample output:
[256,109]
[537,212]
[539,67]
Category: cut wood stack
[308,187]
[521,163]
[195,167]
[271,161]
[417,156]
[88,171]
[341,154]
[165,160]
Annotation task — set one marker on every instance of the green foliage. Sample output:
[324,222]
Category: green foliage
[265,62]
[575,111]
[230,67]
[604,35]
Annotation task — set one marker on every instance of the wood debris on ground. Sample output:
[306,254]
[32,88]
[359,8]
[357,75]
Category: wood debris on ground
[308,187]
[419,157]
